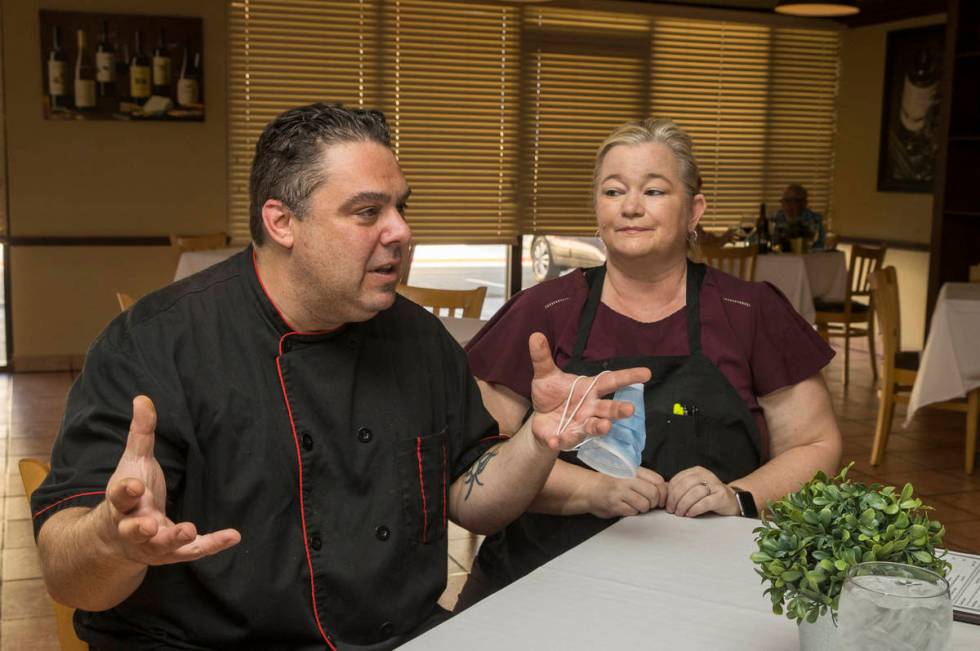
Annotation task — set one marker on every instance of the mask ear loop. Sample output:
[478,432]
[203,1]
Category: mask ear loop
[562,422]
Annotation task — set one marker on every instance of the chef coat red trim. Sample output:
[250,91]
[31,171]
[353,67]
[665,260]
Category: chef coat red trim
[65,499]
[425,519]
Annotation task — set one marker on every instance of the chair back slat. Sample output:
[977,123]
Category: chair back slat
[737,261]
[865,260]
[446,302]
[884,287]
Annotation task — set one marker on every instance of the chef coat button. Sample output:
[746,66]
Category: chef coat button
[387,629]
[307,441]
[316,543]
[382,533]
[364,435]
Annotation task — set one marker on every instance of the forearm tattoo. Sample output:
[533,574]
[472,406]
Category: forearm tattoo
[472,476]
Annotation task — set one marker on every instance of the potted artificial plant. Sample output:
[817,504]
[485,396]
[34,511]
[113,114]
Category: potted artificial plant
[810,538]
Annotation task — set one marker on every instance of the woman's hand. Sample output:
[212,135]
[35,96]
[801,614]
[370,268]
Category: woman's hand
[610,497]
[695,491]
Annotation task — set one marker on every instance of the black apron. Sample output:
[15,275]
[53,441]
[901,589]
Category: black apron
[717,432]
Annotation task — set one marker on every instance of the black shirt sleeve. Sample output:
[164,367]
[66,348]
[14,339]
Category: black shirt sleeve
[472,429]
[96,423]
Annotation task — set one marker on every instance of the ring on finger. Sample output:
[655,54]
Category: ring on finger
[707,488]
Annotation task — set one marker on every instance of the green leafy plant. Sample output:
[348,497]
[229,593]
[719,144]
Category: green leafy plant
[810,538]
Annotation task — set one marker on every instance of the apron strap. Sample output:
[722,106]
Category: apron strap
[695,275]
[594,278]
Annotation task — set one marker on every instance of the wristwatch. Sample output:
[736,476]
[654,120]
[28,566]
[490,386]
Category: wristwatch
[746,503]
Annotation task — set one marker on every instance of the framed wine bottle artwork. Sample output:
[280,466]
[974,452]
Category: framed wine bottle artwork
[98,66]
[910,109]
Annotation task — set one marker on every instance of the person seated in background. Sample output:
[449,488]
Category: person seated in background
[736,413]
[795,209]
[265,454]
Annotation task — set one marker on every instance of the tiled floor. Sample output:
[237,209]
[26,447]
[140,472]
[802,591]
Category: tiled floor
[929,454]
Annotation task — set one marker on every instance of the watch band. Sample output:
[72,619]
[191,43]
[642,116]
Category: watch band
[746,503]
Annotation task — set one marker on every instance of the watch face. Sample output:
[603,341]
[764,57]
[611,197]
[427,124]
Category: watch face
[746,504]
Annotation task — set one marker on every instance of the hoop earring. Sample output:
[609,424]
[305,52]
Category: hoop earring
[597,233]
[692,237]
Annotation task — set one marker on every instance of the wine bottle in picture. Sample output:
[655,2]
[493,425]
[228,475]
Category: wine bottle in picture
[57,72]
[84,75]
[122,72]
[105,64]
[188,84]
[139,73]
[762,230]
[161,67]
[920,94]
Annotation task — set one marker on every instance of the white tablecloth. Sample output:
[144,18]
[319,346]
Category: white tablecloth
[803,278]
[193,261]
[827,272]
[950,364]
[650,581]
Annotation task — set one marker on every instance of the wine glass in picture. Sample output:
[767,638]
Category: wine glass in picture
[894,607]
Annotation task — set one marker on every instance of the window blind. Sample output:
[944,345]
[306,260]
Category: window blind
[445,73]
[759,102]
[585,73]
[497,110]
[450,80]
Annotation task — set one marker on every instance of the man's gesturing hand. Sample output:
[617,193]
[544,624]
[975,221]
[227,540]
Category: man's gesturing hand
[135,524]
[549,391]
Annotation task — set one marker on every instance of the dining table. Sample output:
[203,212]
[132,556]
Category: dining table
[949,366]
[649,581]
[802,278]
[462,328]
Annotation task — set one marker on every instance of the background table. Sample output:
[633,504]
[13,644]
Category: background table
[950,363]
[650,581]
[193,261]
[462,329]
[803,278]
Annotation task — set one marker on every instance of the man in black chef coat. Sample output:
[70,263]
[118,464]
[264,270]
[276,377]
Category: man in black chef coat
[287,409]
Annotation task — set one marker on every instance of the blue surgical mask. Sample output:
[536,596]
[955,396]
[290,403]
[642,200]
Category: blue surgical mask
[618,453]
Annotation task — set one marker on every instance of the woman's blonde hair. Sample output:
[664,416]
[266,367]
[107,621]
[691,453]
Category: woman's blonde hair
[661,130]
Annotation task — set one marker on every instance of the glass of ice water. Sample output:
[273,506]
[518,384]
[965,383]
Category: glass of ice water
[894,607]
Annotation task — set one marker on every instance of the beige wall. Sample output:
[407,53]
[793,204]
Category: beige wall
[859,209]
[101,178]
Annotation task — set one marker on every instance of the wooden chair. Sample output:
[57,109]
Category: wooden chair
[738,261]
[199,242]
[838,319]
[125,301]
[468,301]
[900,368]
[32,473]
[407,263]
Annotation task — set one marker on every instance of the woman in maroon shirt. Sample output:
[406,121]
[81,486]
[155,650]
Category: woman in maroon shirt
[735,355]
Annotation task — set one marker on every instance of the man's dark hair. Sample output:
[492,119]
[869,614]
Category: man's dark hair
[288,156]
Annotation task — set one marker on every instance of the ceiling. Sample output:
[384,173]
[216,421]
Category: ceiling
[872,11]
